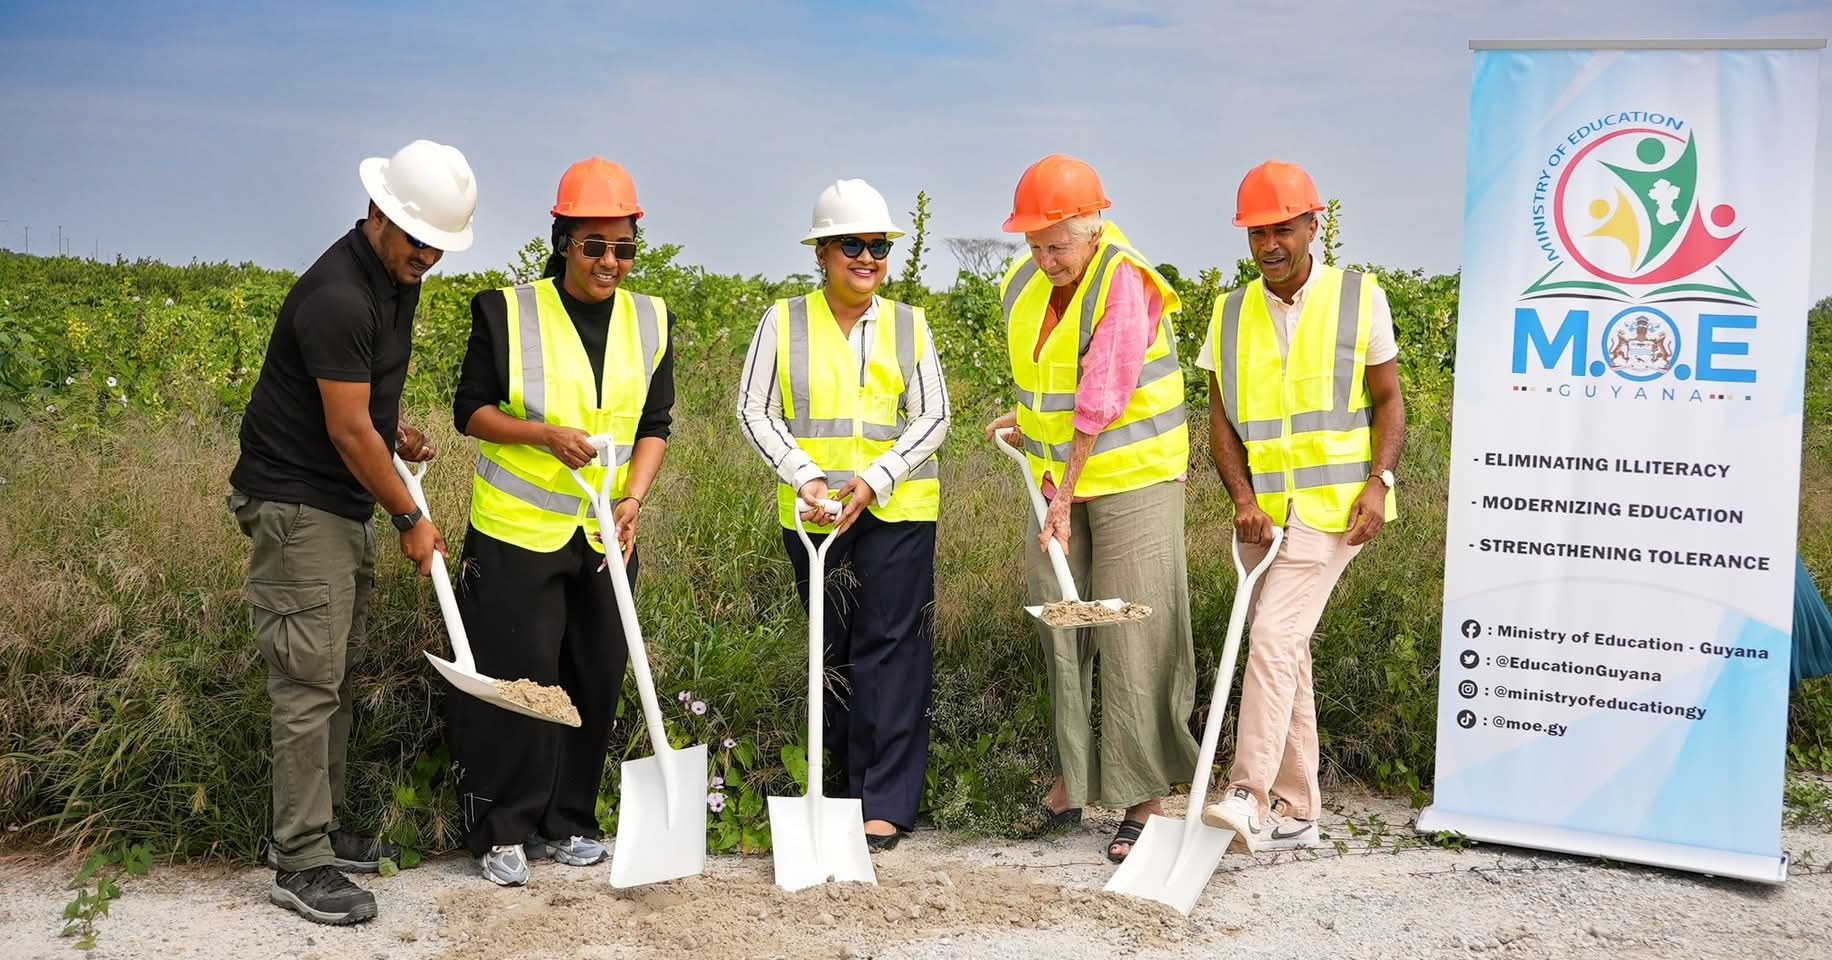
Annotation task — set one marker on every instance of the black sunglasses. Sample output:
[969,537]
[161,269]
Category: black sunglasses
[416,242]
[853,246]
[594,249]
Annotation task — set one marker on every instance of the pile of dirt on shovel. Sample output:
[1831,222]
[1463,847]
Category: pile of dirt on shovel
[1071,613]
[710,916]
[546,701]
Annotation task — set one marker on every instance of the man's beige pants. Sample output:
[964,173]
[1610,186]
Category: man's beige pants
[1126,545]
[309,578]
[1276,751]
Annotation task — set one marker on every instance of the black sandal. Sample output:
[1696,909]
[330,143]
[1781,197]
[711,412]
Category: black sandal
[1127,834]
[1043,821]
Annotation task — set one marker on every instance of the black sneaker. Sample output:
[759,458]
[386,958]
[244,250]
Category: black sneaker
[322,895]
[354,854]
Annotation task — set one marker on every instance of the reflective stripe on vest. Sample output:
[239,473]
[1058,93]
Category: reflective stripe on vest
[1297,455]
[521,493]
[843,433]
[1149,442]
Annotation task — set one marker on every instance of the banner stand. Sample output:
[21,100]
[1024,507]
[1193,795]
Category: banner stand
[1624,477]
[1716,863]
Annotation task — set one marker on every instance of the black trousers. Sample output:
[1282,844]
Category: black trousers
[551,618]
[880,629]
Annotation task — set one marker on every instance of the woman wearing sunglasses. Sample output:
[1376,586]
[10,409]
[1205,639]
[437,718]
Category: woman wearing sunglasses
[549,364]
[843,397]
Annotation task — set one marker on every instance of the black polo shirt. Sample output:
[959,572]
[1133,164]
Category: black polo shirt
[345,319]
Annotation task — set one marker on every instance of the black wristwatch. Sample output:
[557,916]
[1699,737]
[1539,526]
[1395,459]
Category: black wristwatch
[406,521]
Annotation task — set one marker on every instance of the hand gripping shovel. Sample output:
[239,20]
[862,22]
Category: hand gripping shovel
[1065,583]
[817,839]
[462,673]
[661,809]
[1172,861]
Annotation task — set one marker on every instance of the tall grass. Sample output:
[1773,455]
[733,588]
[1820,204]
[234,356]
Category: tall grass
[132,698]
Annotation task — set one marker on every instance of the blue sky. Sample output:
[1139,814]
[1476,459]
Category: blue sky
[232,131]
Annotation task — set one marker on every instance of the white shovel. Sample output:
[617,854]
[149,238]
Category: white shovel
[817,839]
[461,673]
[1065,583]
[661,808]
[1172,861]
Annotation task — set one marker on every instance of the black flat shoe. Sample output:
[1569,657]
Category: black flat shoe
[886,842]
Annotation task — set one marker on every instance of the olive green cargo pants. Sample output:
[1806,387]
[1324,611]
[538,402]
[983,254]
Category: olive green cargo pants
[309,577]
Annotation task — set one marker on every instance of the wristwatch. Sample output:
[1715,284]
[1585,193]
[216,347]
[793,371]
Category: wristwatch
[406,521]
[1386,477]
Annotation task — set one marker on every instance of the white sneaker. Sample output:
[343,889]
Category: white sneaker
[505,866]
[1238,812]
[1289,834]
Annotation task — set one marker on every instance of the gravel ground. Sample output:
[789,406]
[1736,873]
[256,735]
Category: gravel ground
[1011,900]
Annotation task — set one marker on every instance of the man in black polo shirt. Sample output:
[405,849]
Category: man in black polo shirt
[315,460]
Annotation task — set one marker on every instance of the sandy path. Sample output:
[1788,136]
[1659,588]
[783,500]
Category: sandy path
[1008,900]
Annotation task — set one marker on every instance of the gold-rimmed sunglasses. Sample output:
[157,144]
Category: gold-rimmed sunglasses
[595,249]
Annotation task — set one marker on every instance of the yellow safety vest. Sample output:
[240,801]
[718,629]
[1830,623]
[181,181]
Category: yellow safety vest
[522,494]
[1306,420]
[1150,442]
[843,423]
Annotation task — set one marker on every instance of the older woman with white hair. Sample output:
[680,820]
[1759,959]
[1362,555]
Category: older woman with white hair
[843,397]
[1100,415]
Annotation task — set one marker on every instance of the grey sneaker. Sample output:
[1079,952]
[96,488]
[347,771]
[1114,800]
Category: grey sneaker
[322,895]
[574,851]
[353,853]
[505,866]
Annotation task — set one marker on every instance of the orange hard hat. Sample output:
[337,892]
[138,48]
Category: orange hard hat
[596,187]
[1054,189]
[1274,192]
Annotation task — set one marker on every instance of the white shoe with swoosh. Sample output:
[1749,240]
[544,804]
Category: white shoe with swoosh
[1288,834]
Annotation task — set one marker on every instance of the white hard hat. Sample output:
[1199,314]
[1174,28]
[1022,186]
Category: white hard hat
[428,189]
[848,207]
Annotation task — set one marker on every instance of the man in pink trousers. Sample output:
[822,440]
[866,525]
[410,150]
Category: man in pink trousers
[1306,423]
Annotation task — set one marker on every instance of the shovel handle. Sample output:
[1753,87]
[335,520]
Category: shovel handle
[831,506]
[626,611]
[1065,582]
[1224,676]
[442,579]
[607,448]
[817,615]
[632,630]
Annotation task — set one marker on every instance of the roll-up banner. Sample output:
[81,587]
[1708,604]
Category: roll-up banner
[1625,457]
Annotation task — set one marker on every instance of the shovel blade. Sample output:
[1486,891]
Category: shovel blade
[484,688]
[840,856]
[1112,603]
[1170,866]
[658,840]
